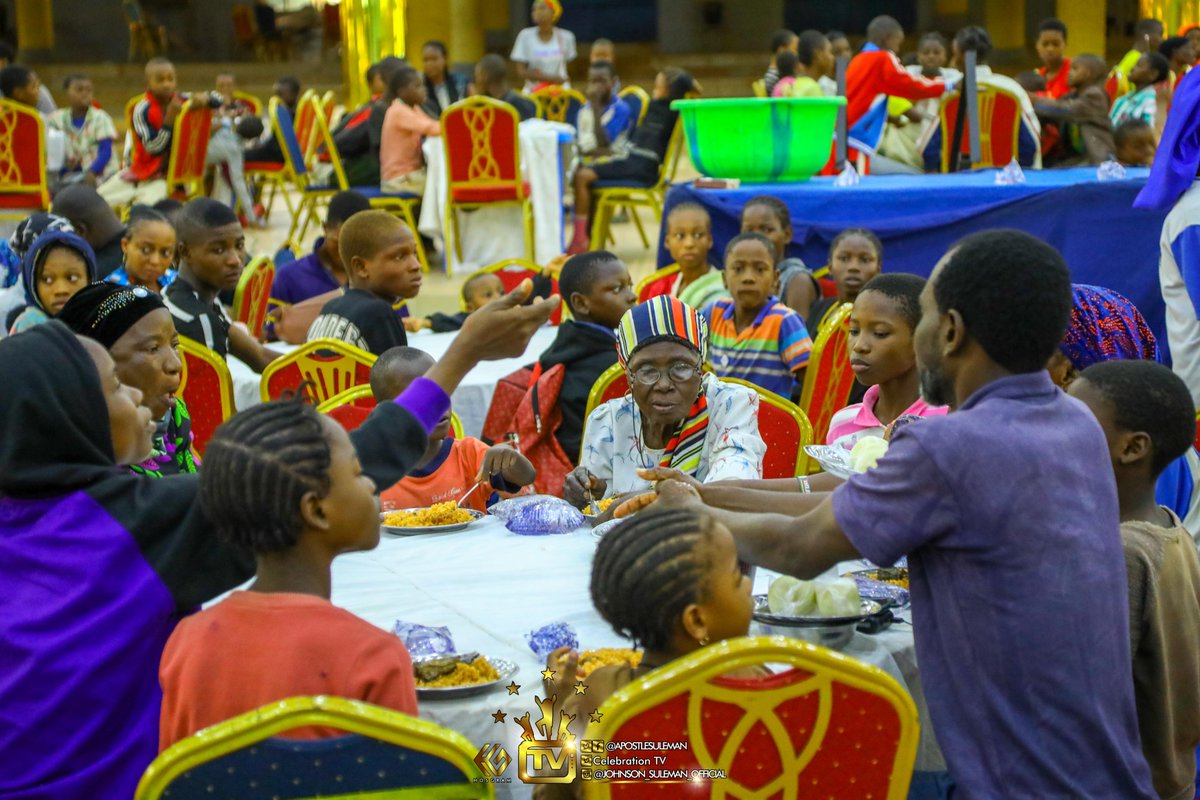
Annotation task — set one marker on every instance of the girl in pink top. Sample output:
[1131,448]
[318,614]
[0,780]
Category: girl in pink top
[401,167]
[886,313]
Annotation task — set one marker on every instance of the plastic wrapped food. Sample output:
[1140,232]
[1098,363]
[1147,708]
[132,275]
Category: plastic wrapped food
[548,638]
[423,640]
[838,598]
[867,452]
[538,515]
[791,597]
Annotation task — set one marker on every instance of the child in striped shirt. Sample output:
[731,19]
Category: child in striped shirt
[753,336]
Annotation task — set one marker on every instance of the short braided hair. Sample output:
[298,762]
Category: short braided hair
[648,569]
[257,468]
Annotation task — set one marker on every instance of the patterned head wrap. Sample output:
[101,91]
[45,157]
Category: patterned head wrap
[104,311]
[556,9]
[34,226]
[658,319]
[1106,326]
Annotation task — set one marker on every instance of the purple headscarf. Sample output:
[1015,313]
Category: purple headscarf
[1105,326]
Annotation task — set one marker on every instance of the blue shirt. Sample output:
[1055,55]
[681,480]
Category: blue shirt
[1019,590]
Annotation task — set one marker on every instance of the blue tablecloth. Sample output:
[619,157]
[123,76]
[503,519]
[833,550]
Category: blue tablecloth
[1105,240]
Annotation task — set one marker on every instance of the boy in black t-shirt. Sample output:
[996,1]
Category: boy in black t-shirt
[212,254]
[380,255]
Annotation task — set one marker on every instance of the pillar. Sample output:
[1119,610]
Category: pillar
[466,30]
[1085,25]
[371,29]
[35,27]
[1006,23]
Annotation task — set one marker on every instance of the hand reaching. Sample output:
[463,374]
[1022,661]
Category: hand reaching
[503,328]
[580,484]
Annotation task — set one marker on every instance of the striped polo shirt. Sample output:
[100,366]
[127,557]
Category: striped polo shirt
[767,353]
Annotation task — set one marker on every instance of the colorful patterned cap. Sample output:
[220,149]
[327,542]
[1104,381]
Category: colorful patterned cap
[659,318]
[1106,326]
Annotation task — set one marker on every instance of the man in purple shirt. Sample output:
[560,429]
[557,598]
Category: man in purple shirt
[1012,533]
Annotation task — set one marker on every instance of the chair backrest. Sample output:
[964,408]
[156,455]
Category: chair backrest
[482,151]
[349,408]
[322,141]
[189,147]
[828,379]
[759,87]
[22,158]
[558,104]
[243,24]
[1114,86]
[830,721]
[511,272]
[286,253]
[784,425]
[329,366]
[654,277]
[308,108]
[255,102]
[670,165]
[285,137]
[207,388]
[638,100]
[999,127]
[611,384]
[328,105]
[385,754]
[253,294]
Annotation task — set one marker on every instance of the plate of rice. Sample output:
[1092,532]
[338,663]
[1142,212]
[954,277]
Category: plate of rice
[439,518]
[461,675]
[592,660]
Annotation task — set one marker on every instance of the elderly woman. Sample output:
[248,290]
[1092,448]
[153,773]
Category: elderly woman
[675,415]
[137,331]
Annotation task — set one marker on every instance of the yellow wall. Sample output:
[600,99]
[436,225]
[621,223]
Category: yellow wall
[1006,23]
[461,27]
[951,8]
[1085,21]
[35,24]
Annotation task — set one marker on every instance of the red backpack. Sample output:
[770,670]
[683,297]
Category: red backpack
[526,404]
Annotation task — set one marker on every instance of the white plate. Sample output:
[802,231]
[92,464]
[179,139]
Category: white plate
[834,460]
[503,666]
[416,531]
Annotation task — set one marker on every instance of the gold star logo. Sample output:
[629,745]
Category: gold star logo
[580,688]
[547,674]
[513,688]
[499,716]
[595,715]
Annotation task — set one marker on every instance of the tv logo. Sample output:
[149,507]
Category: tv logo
[546,755]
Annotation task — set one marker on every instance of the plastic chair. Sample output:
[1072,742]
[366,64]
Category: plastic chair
[253,294]
[308,108]
[329,366]
[23,186]
[828,379]
[483,164]
[557,104]
[352,407]
[402,204]
[255,102]
[611,195]
[829,726]
[612,384]
[999,127]
[783,424]
[189,147]
[328,107]
[638,101]
[654,277]
[207,388]
[385,754]
[278,176]
[759,87]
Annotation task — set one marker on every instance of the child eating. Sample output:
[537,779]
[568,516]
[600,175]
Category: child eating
[597,288]
[886,314]
[149,249]
[478,290]
[1146,413]
[669,581]
[770,216]
[689,241]
[320,504]
[380,255]
[453,470]
[56,266]
[855,257]
[754,336]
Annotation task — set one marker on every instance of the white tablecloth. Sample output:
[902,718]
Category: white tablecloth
[471,399]
[490,588]
[494,234]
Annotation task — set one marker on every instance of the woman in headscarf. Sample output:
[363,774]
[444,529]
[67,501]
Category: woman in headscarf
[138,332]
[57,265]
[543,51]
[675,415]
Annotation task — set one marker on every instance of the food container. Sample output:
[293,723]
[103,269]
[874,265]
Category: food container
[832,632]
[760,139]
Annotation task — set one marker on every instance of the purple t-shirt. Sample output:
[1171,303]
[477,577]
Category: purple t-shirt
[1007,510]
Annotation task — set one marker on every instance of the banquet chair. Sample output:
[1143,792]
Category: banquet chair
[382,753]
[783,424]
[828,379]
[557,104]
[253,294]
[999,127]
[638,101]
[324,367]
[206,388]
[759,88]
[648,281]
[483,164]
[23,183]
[328,107]
[611,384]
[271,178]
[829,723]
[189,147]
[255,102]
[511,272]
[308,108]
[313,196]
[352,407]
[611,195]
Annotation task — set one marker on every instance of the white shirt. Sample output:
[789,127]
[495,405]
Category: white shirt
[1181,240]
[549,58]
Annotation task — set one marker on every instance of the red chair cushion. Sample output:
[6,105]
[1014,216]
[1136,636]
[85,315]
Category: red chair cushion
[779,428]
[30,200]
[487,194]
[263,166]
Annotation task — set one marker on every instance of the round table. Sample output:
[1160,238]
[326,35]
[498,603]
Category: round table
[491,587]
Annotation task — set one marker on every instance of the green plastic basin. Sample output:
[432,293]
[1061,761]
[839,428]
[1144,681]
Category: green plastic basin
[760,139]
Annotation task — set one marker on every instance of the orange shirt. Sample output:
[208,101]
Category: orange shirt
[447,477]
[400,147]
[218,663]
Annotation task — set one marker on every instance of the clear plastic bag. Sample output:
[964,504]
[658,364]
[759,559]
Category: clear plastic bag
[423,640]
[538,515]
[548,638]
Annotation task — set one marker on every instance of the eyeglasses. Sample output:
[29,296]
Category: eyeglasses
[678,372]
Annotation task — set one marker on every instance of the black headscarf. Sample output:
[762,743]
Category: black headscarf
[104,311]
